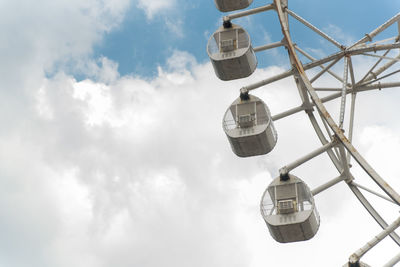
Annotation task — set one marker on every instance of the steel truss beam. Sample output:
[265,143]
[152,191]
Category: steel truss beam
[351,52]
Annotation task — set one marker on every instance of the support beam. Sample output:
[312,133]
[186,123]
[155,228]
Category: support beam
[372,75]
[380,78]
[373,212]
[317,63]
[382,57]
[398,29]
[373,192]
[355,257]
[324,69]
[249,12]
[345,166]
[268,46]
[328,98]
[360,88]
[285,170]
[351,123]
[344,92]
[315,29]
[327,185]
[394,38]
[322,66]
[393,261]
[352,106]
[369,36]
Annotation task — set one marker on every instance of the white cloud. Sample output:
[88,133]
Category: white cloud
[152,7]
[143,166]
[180,61]
[381,144]
[338,34]
[169,13]
[46,34]
[124,171]
[175,26]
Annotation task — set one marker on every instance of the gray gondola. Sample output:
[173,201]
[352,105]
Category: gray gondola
[249,127]
[231,5]
[289,211]
[231,53]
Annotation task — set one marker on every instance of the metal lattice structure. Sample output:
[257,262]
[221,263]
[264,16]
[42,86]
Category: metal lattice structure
[331,133]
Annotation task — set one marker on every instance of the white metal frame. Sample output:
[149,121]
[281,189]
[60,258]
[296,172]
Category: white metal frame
[337,145]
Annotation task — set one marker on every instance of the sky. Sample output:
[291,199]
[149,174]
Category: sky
[112,151]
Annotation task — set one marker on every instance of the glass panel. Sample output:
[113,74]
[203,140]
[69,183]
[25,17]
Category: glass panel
[304,197]
[213,44]
[286,191]
[229,121]
[248,107]
[228,40]
[263,115]
[268,202]
[243,38]
[286,199]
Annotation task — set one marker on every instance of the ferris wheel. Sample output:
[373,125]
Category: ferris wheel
[288,205]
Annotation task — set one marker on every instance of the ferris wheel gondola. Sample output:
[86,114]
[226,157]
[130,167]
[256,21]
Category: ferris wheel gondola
[231,53]
[289,211]
[248,125]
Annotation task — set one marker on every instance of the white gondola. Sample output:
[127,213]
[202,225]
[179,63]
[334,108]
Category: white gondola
[230,5]
[231,53]
[248,125]
[288,208]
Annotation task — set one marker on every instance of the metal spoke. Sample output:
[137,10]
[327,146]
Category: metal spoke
[359,253]
[381,78]
[268,46]
[331,97]
[373,192]
[374,66]
[344,90]
[315,29]
[249,12]
[325,69]
[371,35]
[382,57]
[375,74]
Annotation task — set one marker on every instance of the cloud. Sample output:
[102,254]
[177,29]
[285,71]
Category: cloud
[125,171]
[175,26]
[338,34]
[154,6]
[171,16]
[137,178]
[42,36]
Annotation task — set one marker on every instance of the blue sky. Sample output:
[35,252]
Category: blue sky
[112,151]
[140,44]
